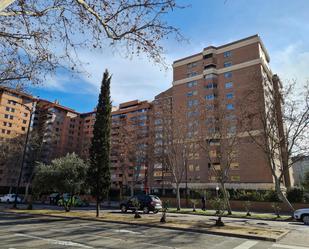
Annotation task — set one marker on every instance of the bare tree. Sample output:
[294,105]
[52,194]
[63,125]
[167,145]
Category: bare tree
[219,140]
[37,38]
[173,144]
[284,127]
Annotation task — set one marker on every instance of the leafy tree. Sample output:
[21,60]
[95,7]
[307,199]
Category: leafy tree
[64,175]
[30,30]
[99,170]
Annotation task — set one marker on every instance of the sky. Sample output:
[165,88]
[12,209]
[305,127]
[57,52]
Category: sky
[283,26]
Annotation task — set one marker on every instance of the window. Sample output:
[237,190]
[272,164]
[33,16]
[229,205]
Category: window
[229,95]
[158,121]
[234,165]
[235,178]
[11,102]
[228,75]
[192,83]
[192,114]
[210,107]
[25,114]
[8,132]
[228,85]
[192,74]
[193,64]
[3,130]
[24,121]
[192,93]
[230,107]
[231,129]
[192,102]
[197,168]
[210,76]
[217,166]
[211,86]
[227,54]
[230,117]
[227,64]
[210,97]
[191,167]
[23,128]
[207,56]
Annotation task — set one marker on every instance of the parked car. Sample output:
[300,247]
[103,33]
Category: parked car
[8,198]
[146,203]
[54,198]
[76,201]
[302,215]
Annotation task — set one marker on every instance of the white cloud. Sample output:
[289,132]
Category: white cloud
[131,78]
[292,63]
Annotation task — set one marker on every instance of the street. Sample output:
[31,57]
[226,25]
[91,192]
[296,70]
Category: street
[27,231]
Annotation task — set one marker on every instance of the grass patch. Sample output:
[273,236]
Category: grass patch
[235,214]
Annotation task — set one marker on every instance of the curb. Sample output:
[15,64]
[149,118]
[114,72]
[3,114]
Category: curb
[193,230]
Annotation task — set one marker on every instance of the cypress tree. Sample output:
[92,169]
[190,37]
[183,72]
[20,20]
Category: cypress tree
[99,152]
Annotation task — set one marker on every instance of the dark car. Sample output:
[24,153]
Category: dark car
[146,203]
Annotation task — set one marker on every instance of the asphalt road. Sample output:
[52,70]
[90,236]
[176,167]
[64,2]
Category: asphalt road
[27,231]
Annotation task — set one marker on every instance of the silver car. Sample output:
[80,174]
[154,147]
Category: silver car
[302,215]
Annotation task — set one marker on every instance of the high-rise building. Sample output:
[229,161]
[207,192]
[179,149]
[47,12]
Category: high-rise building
[130,148]
[206,98]
[15,109]
[213,83]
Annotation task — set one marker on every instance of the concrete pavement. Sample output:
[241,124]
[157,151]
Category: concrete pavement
[27,231]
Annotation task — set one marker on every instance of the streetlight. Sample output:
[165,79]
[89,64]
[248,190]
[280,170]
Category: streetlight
[25,148]
[217,191]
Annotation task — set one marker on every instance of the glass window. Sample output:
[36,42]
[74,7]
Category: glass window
[211,86]
[227,64]
[230,106]
[229,95]
[191,74]
[192,102]
[210,96]
[191,114]
[192,93]
[228,75]
[229,85]
[210,107]
[227,54]
[192,83]
[210,76]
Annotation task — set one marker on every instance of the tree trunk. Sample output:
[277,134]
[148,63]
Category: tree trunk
[97,207]
[26,191]
[178,196]
[281,196]
[132,189]
[226,198]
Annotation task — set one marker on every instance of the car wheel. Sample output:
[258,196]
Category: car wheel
[155,211]
[123,209]
[306,219]
[145,210]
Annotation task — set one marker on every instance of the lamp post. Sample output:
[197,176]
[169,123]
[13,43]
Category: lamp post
[24,150]
[217,191]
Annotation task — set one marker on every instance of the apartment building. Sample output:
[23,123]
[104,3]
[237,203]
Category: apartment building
[211,85]
[130,149]
[15,109]
[207,87]
[59,128]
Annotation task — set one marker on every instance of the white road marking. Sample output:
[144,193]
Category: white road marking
[246,245]
[54,241]
[125,231]
[289,246]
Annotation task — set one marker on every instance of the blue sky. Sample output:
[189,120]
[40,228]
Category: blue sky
[282,24]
